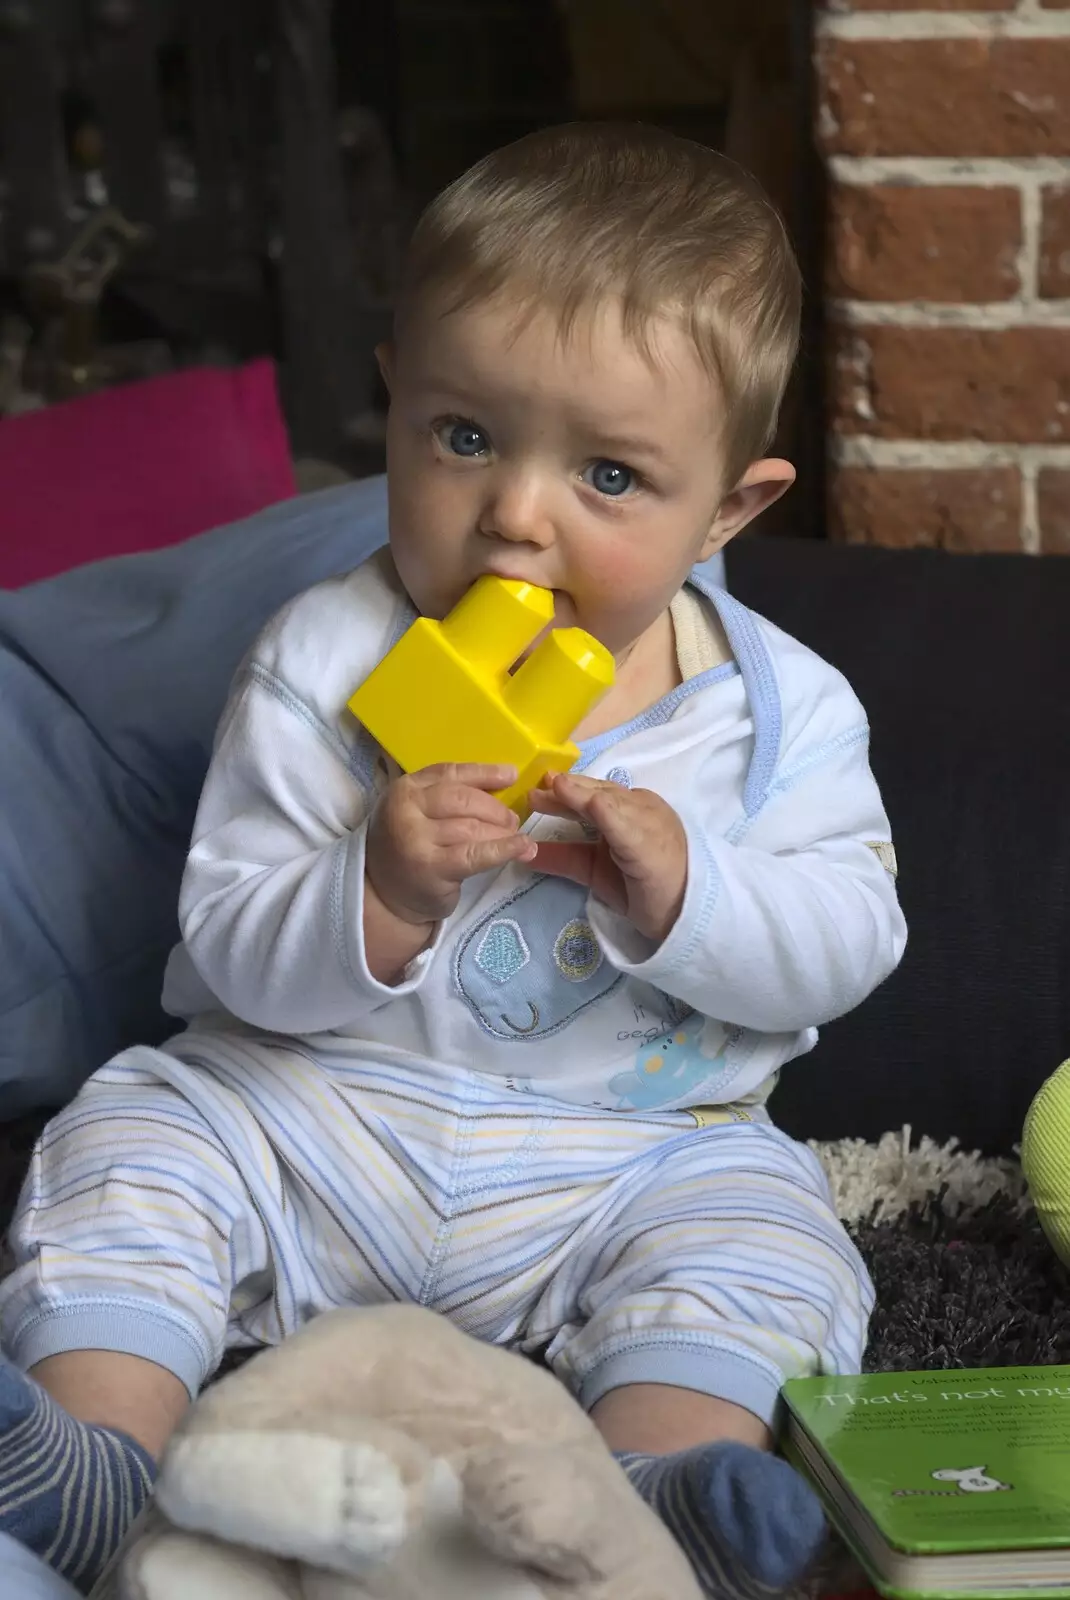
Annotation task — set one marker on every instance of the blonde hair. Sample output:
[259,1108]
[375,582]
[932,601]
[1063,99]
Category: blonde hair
[570,215]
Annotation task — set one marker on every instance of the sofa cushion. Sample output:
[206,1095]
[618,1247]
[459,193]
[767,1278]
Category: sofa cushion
[27,1576]
[963,665]
[112,677]
[138,467]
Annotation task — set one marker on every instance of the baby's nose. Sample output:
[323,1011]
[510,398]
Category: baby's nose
[518,512]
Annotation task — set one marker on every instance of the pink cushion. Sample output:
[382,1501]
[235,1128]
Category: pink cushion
[138,467]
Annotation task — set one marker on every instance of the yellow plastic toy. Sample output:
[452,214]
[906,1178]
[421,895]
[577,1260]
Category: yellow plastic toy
[446,691]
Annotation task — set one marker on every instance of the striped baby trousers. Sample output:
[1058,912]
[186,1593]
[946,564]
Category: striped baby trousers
[221,1193]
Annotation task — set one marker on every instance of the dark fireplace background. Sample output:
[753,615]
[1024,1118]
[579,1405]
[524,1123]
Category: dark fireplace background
[184,181]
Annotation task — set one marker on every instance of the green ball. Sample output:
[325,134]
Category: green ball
[1046,1158]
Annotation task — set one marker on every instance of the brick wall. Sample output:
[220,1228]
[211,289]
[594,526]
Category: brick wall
[946,135]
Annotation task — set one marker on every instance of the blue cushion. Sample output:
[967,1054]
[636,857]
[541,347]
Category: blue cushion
[26,1576]
[112,678]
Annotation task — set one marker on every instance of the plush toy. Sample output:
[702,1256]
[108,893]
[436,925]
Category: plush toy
[382,1453]
[1046,1158]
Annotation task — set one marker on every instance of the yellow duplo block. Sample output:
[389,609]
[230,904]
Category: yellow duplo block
[446,691]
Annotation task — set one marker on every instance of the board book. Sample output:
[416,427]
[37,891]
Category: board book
[943,1483]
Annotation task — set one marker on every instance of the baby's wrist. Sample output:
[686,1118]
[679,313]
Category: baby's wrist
[391,939]
[658,925]
[391,904]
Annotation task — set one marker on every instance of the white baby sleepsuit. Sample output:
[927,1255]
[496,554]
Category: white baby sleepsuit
[551,1130]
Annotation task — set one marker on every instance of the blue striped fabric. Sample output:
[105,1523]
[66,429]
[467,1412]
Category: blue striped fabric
[749,1523]
[68,1490]
[223,1194]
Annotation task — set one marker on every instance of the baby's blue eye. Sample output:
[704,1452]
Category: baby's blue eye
[610,478]
[464,438]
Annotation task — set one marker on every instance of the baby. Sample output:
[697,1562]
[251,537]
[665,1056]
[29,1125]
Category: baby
[516,1074]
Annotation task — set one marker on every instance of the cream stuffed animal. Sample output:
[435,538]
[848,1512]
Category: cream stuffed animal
[384,1455]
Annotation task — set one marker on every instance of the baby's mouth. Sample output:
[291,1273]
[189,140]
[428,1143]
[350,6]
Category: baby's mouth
[562,600]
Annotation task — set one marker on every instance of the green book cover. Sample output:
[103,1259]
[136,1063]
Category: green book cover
[949,1461]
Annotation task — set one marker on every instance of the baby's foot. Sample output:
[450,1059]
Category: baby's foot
[747,1521]
[68,1489]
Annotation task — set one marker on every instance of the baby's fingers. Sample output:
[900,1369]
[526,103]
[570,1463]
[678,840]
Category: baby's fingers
[614,811]
[448,802]
[471,774]
[473,856]
[548,804]
[462,830]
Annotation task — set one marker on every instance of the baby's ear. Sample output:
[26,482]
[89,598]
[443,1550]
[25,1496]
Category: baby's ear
[384,354]
[762,483]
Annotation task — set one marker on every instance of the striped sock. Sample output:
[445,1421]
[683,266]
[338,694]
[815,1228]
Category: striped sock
[68,1490]
[746,1520]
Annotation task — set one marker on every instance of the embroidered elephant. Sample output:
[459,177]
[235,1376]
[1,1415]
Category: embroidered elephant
[528,967]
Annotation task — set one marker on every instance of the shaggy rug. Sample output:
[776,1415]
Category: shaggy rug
[963,1274]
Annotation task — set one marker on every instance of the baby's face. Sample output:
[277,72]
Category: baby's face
[580,465]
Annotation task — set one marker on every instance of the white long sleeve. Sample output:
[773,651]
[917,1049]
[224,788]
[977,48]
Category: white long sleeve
[272,901]
[794,924]
[790,915]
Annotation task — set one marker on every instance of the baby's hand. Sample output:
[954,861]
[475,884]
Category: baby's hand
[433,829]
[637,865]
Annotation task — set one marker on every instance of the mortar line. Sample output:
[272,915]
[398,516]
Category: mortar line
[944,455]
[903,26]
[1030,531]
[1001,316]
[1028,262]
[1034,172]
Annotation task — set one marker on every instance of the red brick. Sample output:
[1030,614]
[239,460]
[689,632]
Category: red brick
[1054,276]
[945,97]
[1053,502]
[952,383]
[905,242]
[955,510]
